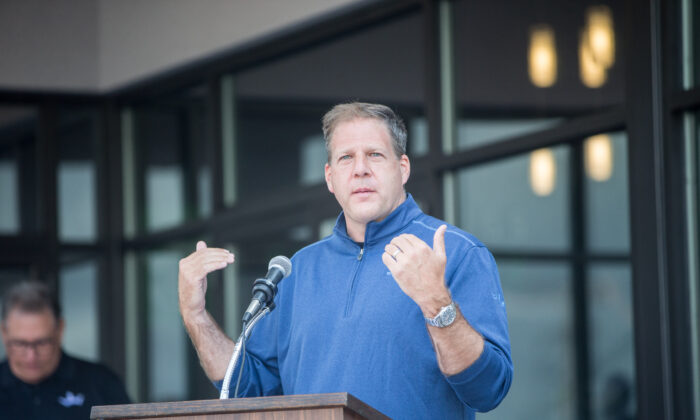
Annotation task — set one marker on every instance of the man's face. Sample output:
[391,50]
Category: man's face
[33,344]
[364,173]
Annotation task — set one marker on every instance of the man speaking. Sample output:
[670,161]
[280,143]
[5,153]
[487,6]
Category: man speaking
[395,307]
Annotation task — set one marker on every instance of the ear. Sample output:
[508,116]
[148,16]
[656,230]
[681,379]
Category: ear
[329,184]
[405,166]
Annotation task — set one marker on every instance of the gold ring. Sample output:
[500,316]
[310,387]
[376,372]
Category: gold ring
[396,253]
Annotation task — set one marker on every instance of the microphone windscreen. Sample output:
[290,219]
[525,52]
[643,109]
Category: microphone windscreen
[282,263]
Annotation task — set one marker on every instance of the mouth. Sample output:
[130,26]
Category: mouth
[362,191]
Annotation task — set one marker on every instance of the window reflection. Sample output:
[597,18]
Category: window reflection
[76,176]
[607,200]
[612,341]
[167,343]
[521,73]
[78,293]
[539,311]
[497,204]
[172,155]
[18,170]
[274,110]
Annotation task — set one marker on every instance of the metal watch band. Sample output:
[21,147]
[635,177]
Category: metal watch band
[445,317]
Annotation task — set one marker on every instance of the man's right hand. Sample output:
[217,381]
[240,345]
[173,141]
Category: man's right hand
[192,277]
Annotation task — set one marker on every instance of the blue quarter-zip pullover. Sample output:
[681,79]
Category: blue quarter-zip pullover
[342,324]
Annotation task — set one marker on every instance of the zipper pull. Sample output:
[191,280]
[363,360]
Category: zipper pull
[362,251]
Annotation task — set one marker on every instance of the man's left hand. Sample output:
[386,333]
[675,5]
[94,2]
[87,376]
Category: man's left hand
[420,270]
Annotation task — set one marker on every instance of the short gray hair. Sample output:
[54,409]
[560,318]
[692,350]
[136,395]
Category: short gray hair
[353,110]
[32,297]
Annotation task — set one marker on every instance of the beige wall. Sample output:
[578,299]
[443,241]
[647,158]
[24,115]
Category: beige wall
[90,45]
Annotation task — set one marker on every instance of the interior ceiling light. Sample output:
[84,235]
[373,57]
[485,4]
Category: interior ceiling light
[593,74]
[596,46]
[598,157]
[601,35]
[542,56]
[543,172]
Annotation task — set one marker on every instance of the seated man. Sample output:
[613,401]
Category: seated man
[38,380]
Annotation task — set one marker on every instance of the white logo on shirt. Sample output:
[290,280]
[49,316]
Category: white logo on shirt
[71,399]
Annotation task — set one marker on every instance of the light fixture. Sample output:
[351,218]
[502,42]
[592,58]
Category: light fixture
[593,74]
[598,157]
[601,35]
[543,172]
[596,49]
[542,56]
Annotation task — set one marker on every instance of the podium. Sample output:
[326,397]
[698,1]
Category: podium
[338,406]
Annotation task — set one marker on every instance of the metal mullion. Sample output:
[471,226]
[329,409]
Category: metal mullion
[579,287]
[685,100]
[654,380]
[433,107]
[214,137]
[47,199]
[568,132]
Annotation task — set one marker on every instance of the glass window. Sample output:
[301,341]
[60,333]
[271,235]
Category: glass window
[171,151]
[539,311]
[611,333]
[518,204]
[18,170]
[606,186]
[272,112]
[692,191]
[691,46]
[78,294]
[76,177]
[534,67]
[168,371]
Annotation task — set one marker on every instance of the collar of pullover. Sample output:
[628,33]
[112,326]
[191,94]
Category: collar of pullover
[390,226]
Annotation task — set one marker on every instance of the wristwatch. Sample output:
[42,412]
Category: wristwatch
[445,317]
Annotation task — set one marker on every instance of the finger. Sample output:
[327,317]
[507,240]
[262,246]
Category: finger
[392,250]
[389,262]
[439,241]
[404,243]
[210,266]
[201,245]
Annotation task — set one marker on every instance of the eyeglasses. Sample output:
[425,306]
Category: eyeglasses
[40,346]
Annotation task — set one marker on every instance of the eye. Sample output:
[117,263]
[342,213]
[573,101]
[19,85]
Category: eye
[376,155]
[343,157]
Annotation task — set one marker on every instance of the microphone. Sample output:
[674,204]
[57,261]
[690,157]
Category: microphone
[265,289]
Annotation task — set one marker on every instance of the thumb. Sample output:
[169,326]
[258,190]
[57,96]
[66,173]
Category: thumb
[439,241]
[201,245]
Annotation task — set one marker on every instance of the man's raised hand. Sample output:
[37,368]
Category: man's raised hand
[419,270]
[192,276]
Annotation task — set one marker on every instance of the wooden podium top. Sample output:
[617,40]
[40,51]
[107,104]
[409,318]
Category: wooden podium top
[279,407]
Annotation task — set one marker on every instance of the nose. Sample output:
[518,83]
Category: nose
[31,353]
[361,167]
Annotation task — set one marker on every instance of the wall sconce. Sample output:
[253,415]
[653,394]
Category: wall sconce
[543,172]
[598,157]
[542,56]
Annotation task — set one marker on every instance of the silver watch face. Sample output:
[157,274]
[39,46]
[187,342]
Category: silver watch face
[446,317]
